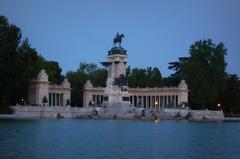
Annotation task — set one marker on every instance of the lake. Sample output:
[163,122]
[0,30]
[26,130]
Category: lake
[118,139]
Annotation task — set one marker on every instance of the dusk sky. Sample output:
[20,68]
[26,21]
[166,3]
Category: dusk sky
[156,32]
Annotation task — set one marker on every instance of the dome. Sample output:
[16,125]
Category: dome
[88,84]
[42,76]
[65,83]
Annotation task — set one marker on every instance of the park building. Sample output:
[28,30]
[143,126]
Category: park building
[42,92]
[117,90]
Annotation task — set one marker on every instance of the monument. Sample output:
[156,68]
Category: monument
[115,101]
[117,94]
[116,98]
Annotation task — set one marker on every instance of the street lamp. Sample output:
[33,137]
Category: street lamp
[156,103]
[219,106]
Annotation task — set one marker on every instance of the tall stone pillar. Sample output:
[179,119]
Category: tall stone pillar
[38,89]
[183,92]
[67,92]
[87,97]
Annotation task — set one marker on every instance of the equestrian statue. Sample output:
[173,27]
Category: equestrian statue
[118,40]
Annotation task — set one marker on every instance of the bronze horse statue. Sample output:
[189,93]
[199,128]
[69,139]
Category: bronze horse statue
[118,39]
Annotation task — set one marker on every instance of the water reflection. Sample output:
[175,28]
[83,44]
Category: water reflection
[37,139]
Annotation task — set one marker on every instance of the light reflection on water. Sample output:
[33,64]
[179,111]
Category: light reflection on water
[116,139]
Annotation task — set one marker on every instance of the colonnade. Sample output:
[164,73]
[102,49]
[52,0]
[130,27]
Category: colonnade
[144,101]
[55,99]
[96,100]
[156,101]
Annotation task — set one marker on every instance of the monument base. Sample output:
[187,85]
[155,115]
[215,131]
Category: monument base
[122,110]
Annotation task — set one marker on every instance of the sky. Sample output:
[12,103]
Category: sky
[156,31]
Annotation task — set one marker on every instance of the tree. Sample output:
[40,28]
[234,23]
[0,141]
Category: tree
[98,77]
[19,63]
[10,36]
[54,72]
[231,96]
[77,80]
[86,71]
[32,62]
[149,77]
[154,77]
[204,72]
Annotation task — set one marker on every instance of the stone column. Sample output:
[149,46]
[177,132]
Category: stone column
[50,99]
[174,99]
[161,101]
[150,98]
[95,100]
[167,102]
[154,100]
[59,101]
[62,99]
[137,101]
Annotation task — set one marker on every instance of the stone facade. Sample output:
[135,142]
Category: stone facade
[166,97]
[55,95]
[88,112]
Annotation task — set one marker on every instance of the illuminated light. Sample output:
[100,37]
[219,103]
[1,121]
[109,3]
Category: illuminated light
[156,120]
[219,105]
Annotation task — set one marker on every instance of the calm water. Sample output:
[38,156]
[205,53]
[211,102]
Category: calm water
[90,139]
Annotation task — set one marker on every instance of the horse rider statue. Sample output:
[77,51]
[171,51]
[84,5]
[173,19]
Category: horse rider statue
[118,39]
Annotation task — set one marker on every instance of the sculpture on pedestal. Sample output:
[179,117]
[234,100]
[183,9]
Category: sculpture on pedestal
[118,39]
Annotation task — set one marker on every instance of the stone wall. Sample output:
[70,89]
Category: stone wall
[134,113]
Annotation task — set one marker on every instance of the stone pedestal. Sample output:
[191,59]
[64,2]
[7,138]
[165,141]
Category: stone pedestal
[116,98]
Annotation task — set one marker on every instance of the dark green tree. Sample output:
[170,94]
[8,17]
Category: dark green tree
[149,77]
[32,62]
[154,77]
[77,80]
[204,72]
[86,71]
[54,72]
[10,38]
[231,95]
[98,77]
[19,63]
